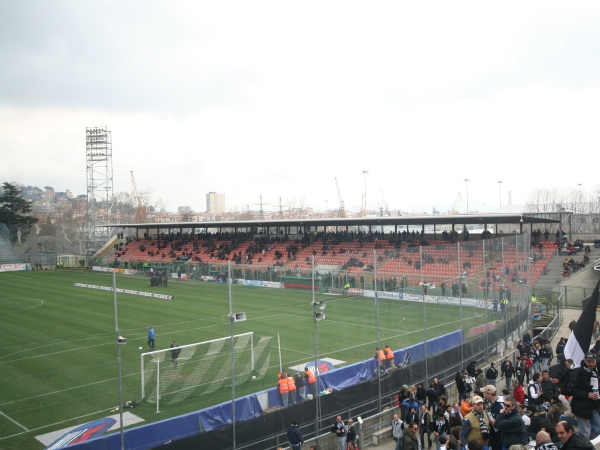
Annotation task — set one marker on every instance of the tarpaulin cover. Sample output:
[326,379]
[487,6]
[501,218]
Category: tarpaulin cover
[346,376]
[147,436]
[246,408]
[417,352]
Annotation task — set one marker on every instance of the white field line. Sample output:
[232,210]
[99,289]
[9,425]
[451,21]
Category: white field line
[68,389]
[14,421]
[52,424]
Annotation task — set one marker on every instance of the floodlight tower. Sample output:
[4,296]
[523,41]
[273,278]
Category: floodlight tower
[99,177]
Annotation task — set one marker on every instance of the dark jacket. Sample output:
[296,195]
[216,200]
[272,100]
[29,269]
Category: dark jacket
[577,442]
[351,434]
[563,378]
[421,394]
[410,441]
[437,426]
[512,428]
[491,373]
[299,380]
[294,435]
[461,386]
[439,388]
[339,427]
[432,395]
[509,371]
[537,420]
[472,370]
[579,387]
[495,435]
[548,389]
[502,367]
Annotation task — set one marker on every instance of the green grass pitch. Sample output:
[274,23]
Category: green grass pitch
[58,362]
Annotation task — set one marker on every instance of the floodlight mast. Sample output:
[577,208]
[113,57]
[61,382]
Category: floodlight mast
[99,177]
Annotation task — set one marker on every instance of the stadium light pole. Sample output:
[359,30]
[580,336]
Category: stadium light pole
[378,336]
[231,320]
[500,192]
[462,356]
[317,316]
[118,341]
[485,298]
[505,314]
[424,313]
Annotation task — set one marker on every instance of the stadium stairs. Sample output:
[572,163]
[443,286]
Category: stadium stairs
[555,270]
[7,254]
[107,249]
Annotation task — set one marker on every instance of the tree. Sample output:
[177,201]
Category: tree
[14,209]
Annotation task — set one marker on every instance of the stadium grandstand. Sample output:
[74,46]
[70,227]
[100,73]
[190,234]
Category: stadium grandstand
[409,251]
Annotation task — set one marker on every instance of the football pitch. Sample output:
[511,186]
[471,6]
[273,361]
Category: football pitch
[58,361]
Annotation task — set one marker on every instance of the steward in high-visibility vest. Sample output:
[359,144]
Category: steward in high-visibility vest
[283,389]
[389,357]
[379,357]
[291,389]
[283,386]
[312,381]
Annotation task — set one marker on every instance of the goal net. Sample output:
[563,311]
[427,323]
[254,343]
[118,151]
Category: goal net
[201,368]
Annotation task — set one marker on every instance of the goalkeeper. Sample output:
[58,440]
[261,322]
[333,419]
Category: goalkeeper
[151,337]
[175,353]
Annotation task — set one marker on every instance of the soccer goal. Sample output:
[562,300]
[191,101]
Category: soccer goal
[202,368]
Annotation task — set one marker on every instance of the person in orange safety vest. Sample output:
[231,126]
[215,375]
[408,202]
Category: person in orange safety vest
[291,389]
[379,357]
[389,357]
[312,381]
[283,389]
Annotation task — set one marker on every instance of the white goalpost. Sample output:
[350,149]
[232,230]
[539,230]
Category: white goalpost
[202,368]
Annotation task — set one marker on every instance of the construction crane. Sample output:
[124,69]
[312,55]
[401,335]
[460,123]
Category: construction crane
[140,213]
[384,206]
[342,210]
[457,202]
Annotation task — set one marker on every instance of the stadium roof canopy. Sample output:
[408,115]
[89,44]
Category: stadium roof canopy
[480,220]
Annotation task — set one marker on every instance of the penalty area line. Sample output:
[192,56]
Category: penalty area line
[14,421]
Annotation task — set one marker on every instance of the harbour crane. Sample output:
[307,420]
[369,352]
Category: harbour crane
[457,202]
[141,212]
[342,210]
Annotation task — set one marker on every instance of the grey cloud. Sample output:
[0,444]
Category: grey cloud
[119,56]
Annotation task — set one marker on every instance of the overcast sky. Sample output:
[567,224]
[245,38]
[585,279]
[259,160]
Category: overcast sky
[280,98]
